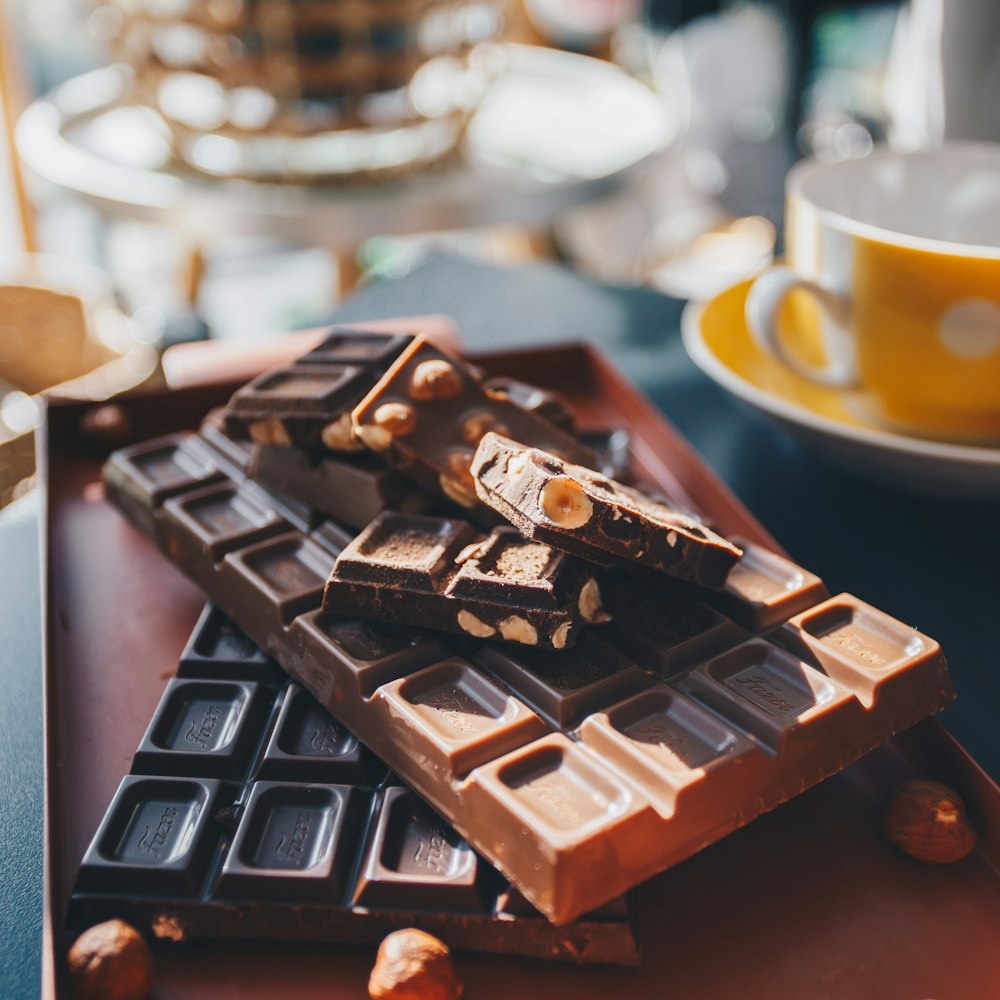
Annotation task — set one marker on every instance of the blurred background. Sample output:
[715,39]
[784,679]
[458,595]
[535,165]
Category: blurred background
[191,169]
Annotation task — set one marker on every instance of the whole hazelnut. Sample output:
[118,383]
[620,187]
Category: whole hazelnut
[413,965]
[565,503]
[927,821]
[338,435]
[434,379]
[396,418]
[111,961]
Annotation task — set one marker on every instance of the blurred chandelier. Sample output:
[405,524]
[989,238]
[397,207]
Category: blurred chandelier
[307,89]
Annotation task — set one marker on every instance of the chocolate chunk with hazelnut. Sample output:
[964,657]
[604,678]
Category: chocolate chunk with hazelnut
[580,511]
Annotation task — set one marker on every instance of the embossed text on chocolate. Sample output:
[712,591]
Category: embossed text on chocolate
[326,741]
[200,733]
[671,740]
[153,840]
[452,707]
[853,644]
[553,797]
[434,853]
[291,846]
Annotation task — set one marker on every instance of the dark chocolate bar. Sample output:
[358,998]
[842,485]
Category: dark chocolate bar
[576,786]
[428,412]
[251,813]
[442,573]
[583,512]
[351,489]
[308,404]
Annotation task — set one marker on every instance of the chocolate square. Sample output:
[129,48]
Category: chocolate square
[363,654]
[295,841]
[405,548]
[305,390]
[565,685]
[308,744]
[414,859]
[202,728]
[277,580]
[140,478]
[665,630]
[222,518]
[219,650]
[157,837]
[765,690]
[357,347]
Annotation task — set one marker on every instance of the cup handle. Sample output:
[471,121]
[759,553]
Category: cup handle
[762,305]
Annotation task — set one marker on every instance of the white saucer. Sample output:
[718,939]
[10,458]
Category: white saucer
[717,340]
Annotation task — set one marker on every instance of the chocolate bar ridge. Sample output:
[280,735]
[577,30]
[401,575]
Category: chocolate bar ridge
[661,764]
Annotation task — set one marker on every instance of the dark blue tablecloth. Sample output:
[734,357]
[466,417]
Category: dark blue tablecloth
[931,563]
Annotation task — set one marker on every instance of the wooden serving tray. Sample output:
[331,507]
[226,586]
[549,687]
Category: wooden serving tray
[808,901]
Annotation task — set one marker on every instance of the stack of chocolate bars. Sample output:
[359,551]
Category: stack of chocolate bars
[484,631]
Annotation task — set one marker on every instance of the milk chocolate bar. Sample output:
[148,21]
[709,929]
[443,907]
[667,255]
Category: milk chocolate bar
[427,414]
[308,404]
[442,573]
[251,813]
[575,783]
[351,489]
[585,513]
[764,589]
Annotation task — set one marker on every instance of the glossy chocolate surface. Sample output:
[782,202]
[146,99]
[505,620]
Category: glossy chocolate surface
[578,783]
[427,414]
[251,813]
[583,512]
[307,404]
[442,573]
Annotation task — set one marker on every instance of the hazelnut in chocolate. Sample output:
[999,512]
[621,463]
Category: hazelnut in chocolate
[308,404]
[428,413]
[442,573]
[583,512]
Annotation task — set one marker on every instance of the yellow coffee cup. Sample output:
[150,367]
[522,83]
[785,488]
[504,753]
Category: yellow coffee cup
[892,285]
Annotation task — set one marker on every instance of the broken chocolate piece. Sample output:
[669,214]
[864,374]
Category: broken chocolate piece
[443,573]
[428,413]
[308,404]
[583,512]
